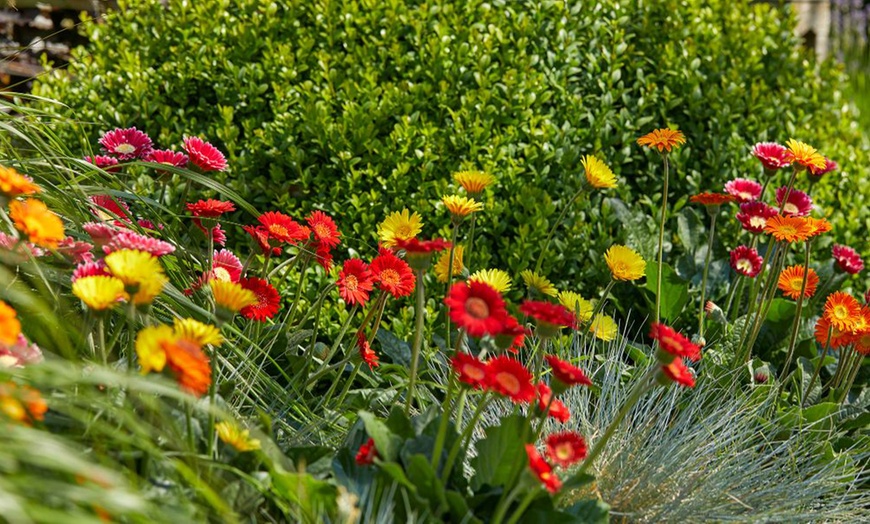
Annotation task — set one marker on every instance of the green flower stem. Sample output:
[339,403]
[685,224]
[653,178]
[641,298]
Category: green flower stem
[450,253]
[819,367]
[797,317]
[131,328]
[302,274]
[380,314]
[735,289]
[464,438]
[766,301]
[753,322]
[662,240]
[788,188]
[418,340]
[555,226]
[101,337]
[706,271]
[442,427]
[322,295]
[335,345]
[470,249]
[349,383]
[524,504]
[842,364]
[212,398]
[643,385]
[856,366]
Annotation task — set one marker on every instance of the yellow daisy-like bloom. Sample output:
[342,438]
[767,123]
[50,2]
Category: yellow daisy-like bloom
[817,226]
[231,296]
[788,228]
[236,437]
[149,289]
[474,182]
[443,264]
[662,139]
[13,184]
[196,331]
[539,283]
[804,154]
[99,292]
[460,206]
[10,326]
[598,175]
[135,268]
[603,327]
[33,218]
[399,226]
[576,304]
[150,343]
[496,278]
[624,263]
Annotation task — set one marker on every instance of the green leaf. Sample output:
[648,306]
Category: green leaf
[428,484]
[313,497]
[398,350]
[675,290]
[501,452]
[386,441]
[591,511]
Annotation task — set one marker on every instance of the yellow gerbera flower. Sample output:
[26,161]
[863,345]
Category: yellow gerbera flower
[460,206]
[603,327]
[442,266]
[236,437]
[231,296]
[662,139]
[150,343]
[202,334]
[576,304]
[803,154]
[598,175]
[10,326]
[624,263]
[13,184]
[496,278]
[33,218]
[399,226]
[99,292]
[474,182]
[539,283]
[134,268]
[149,289]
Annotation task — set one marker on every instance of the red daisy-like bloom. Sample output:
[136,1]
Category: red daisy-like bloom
[126,144]
[261,236]
[210,208]
[283,228]
[106,163]
[567,373]
[392,274]
[712,199]
[110,208]
[147,224]
[512,335]
[471,370]
[746,261]
[75,250]
[830,165]
[366,352]
[100,232]
[477,308]
[558,410]
[355,281]
[218,235]
[367,453]
[799,204]
[323,255]
[566,448]
[167,157]
[744,190]
[847,259]
[838,338]
[204,155]
[90,269]
[324,229]
[131,240]
[510,378]
[268,300]
[415,245]
[673,344]
[542,470]
[678,372]
[549,317]
[772,155]
[753,216]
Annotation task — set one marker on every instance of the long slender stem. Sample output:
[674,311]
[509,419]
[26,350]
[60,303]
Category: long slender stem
[212,398]
[555,226]
[856,365]
[819,367]
[349,383]
[797,316]
[470,242]
[466,435]
[302,274]
[662,241]
[442,426]
[706,271]
[842,364]
[450,255]
[101,334]
[418,341]
[524,504]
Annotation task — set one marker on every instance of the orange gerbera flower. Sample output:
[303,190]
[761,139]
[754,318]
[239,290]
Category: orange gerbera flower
[13,184]
[838,338]
[788,228]
[803,154]
[190,365]
[662,139]
[791,279]
[10,326]
[33,219]
[818,226]
[843,311]
[712,199]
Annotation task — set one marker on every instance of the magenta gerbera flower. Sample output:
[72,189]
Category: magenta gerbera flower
[105,163]
[110,208]
[830,165]
[745,190]
[847,259]
[78,251]
[168,157]
[204,155]
[101,233]
[799,204]
[746,261]
[126,144]
[226,266]
[771,155]
[90,269]
[132,240]
[220,238]
[754,216]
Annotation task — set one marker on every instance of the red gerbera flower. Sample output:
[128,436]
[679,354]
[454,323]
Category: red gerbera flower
[261,236]
[677,372]
[712,199]
[367,453]
[106,163]
[365,350]
[471,370]
[512,335]
[744,190]
[673,344]
[126,144]
[542,469]
[558,410]
[847,259]
[566,373]
[283,228]
[746,261]
[218,235]
[168,157]
[131,240]
[268,300]
[392,274]
[355,281]
[204,155]
[415,245]
[324,229]
[477,308]
[772,155]
[830,165]
[753,216]
[210,208]
[110,208]
[549,317]
[566,448]
[323,255]
[799,204]
[510,378]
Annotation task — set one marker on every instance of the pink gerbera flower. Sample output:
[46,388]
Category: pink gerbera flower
[168,157]
[226,266]
[204,155]
[754,216]
[746,261]
[220,238]
[126,144]
[745,190]
[90,269]
[830,165]
[847,259]
[77,251]
[771,155]
[100,232]
[105,163]
[799,204]
[131,240]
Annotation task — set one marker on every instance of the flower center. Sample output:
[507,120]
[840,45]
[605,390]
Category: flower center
[840,312]
[477,308]
[473,372]
[671,345]
[796,283]
[221,273]
[564,452]
[124,149]
[757,222]
[321,231]
[278,231]
[351,282]
[404,232]
[390,277]
[508,382]
[790,208]
[746,195]
[744,265]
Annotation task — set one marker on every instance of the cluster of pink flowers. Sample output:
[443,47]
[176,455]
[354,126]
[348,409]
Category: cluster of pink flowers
[124,145]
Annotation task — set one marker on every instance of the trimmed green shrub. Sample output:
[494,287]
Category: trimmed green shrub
[336,105]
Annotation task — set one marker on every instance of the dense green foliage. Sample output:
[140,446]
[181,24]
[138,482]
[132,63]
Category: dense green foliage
[339,105]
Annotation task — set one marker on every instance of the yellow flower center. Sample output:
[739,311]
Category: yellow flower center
[757,222]
[840,312]
[391,277]
[477,308]
[508,382]
[321,230]
[790,208]
[473,372]
[278,230]
[404,231]
[351,282]
[744,265]
[564,452]
[746,195]
[221,273]
[124,149]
